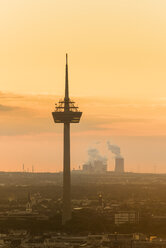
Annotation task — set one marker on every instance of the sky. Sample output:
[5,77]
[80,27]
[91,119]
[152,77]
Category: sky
[117,52]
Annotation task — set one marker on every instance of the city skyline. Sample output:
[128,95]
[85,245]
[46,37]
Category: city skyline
[117,72]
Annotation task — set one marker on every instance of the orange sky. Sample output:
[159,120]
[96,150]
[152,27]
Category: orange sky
[117,52]
[28,134]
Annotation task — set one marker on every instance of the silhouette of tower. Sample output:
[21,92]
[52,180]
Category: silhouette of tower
[66,112]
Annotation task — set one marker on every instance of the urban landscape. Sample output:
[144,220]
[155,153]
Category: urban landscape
[82,124]
[108,210]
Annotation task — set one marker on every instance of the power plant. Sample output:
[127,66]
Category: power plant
[96,166]
[96,163]
[66,112]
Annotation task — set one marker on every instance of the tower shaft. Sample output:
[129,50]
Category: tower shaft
[66,214]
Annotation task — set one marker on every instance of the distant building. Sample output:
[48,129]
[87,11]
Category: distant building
[87,168]
[96,166]
[119,165]
[123,217]
[29,204]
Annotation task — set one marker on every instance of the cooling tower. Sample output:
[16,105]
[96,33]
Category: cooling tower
[119,165]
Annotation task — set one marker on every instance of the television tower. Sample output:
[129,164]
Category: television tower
[66,112]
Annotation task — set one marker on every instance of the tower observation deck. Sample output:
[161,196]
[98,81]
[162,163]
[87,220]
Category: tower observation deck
[66,112]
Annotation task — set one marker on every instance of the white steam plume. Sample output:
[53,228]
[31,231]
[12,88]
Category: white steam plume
[94,154]
[114,149]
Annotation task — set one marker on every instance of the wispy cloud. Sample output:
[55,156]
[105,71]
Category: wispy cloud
[7,108]
[31,114]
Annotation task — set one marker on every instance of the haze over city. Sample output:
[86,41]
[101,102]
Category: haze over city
[82,124]
[116,73]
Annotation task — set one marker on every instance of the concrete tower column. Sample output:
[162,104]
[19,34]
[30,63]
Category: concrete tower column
[66,214]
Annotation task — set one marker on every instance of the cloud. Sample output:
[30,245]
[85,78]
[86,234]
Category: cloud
[6,108]
[31,114]
[10,95]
